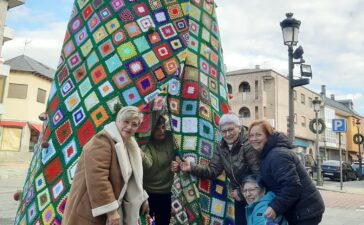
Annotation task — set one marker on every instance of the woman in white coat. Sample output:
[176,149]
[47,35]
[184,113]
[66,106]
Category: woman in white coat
[107,186]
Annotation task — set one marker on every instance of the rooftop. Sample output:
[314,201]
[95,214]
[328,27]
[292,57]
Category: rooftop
[27,64]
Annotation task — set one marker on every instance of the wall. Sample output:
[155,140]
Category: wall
[25,109]
[3,12]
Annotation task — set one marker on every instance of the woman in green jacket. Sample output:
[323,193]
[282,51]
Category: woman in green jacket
[159,166]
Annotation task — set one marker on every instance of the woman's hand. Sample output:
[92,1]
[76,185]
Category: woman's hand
[270,214]
[174,166]
[144,208]
[235,194]
[113,218]
[185,166]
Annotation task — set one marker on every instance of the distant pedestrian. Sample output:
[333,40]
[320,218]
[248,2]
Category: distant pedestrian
[296,196]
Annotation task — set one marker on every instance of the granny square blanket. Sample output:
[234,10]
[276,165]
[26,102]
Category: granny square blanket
[152,54]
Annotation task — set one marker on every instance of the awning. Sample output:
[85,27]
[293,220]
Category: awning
[12,124]
[354,157]
[36,127]
[300,143]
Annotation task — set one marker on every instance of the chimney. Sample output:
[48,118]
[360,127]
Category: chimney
[257,67]
[323,90]
[332,97]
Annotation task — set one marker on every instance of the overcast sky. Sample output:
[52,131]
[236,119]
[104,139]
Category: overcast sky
[331,34]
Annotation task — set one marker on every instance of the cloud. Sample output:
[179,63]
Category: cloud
[45,45]
[330,34]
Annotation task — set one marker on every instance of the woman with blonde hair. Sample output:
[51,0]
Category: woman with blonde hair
[108,183]
[296,196]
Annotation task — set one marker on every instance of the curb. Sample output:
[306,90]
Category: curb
[359,191]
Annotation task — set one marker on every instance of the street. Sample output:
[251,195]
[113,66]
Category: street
[8,206]
[342,208]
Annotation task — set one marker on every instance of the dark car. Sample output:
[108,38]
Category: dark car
[355,167]
[331,169]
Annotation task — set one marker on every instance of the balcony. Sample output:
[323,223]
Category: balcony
[4,70]
[8,34]
[15,3]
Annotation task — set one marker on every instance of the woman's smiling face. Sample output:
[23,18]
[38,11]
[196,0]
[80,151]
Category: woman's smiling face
[252,192]
[257,137]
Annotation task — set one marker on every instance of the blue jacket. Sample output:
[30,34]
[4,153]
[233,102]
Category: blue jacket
[255,212]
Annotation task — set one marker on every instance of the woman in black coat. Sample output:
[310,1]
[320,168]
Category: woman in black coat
[296,196]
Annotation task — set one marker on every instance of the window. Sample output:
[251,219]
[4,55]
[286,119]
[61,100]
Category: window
[303,123]
[244,112]
[10,138]
[230,89]
[256,90]
[303,99]
[18,91]
[294,95]
[256,112]
[244,87]
[41,95]
[295,118]
[310,102]
[2,88]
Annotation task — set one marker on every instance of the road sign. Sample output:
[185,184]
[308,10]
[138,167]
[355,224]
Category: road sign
[339,125]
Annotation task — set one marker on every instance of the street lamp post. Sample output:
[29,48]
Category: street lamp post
[290,28]
[360,159]
[316,107]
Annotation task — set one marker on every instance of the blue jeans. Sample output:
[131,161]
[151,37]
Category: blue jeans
[240,218]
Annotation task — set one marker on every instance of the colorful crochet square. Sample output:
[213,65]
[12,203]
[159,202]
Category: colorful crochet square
[153,54]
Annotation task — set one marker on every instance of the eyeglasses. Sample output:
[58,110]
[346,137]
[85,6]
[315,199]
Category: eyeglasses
[251,190]
[227,131]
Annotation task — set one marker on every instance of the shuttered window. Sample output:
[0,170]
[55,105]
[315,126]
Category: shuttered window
[41,95]
[18,91]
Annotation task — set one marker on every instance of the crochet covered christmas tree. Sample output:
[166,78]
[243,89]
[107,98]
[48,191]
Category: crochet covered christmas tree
[146,53]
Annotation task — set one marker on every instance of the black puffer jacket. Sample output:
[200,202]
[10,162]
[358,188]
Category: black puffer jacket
[237,163]
[296,196]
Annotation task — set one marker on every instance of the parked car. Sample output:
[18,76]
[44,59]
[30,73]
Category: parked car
[355,167]
[331,169]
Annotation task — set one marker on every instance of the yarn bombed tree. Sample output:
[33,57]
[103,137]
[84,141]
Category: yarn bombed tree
[148,54]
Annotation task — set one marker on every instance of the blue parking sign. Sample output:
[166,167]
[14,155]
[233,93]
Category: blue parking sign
[339,125]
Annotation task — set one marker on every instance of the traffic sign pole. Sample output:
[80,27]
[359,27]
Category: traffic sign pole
[341,164]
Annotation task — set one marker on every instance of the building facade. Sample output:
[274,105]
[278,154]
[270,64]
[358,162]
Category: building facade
[6,34]
[263,94]
[331,142]
[25,97]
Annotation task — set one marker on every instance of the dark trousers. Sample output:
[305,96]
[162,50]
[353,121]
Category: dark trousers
[240,218]
[160,208]
[313,221]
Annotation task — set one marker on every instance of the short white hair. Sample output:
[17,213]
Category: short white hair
[228,119]
[129,112]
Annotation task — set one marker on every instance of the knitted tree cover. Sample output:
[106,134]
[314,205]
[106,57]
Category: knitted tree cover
[146,53]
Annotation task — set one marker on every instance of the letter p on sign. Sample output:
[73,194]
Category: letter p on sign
[339,125]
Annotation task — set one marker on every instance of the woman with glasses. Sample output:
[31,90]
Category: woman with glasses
[233,155]
[296,196]
[258,200]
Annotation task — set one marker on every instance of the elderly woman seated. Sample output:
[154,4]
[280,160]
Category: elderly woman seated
[258,200]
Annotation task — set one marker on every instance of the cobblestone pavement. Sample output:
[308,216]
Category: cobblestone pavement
[343,208]
[343,200]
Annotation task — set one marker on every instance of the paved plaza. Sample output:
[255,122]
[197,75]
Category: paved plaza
[343,207]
